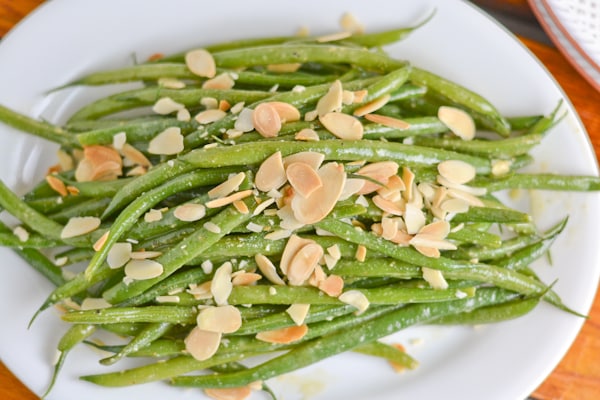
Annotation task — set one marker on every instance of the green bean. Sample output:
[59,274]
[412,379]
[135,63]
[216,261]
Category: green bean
[91,208]
[493,313]
[389,352]
[474,236]
[417,126]
[335,343]
[492,214]
[152,314]
[523,122]
[146,336]
[539,181]
[461,96]
[39,128]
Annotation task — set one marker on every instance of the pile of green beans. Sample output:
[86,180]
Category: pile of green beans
[486,268]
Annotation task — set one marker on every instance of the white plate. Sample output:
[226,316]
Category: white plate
[66,38]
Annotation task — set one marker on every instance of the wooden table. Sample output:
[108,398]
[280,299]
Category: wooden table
[577,377]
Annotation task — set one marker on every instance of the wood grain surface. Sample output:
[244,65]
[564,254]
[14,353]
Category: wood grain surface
[577,377]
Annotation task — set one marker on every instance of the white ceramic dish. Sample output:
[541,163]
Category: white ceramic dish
[67,38]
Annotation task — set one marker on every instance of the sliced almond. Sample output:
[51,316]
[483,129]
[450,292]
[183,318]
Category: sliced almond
[221,319]
[100,242]
[349,23]
[282,68]
[202,344]
[303,263]
[268,270]
[94,303]
[467,197]
[303,178]
[284,335]
[380,172]
[389,227]
[458,121]
[361,253]
[456,171]
[238,393]
[408,177]
[135,156]
[426,240]
[153,215]
[143,269]
[344,126]
[209,103]
[223,201]
[168,142]
[455,206]
[311,158]
[435,278]
[298,312]
[332,100]
[209,116]
[307,135]
[372,106]
[201,292]
[201,63]
[286,111]
[241,207]
[319,204]
[222,81]
[293,245]
[119,254]
[224,105]
[476,191]
[332,286]
[171,83]
[166,105]
[145,254]
[221,285]
[245,279]
[333,37]
[266,120]
[57,185]
[244,120]
[501,167]
[351,187]
[189,212]
[271,173]
[356,299]
[438,229]
[385,120]
[414,218]
[390,207]
[77,226]
[402,238]
[21,233]
[230,185]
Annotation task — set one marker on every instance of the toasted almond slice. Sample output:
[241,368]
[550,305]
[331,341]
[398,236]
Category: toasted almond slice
[221,285]
[303,178]
[94,303]
[84,171]
[225,188]
[100,242]
[347,97]
[475,191]
[266,120]
[201,63]
[288,220]
[77,226]
[303,263]
[64,160]
[189,212]
[332,286]
[332,100]
[455,206]
[209,103]
[201,292]
[435,278]
[57,185]
[166,105]
[389,227]
[135,156]
[458,121]
[221,319]
[438,229]
[284,335]
[310,116]
[501,167]
[380,171]
[171,83]
[21,233]
[372,106]
[271,173]
[244,120]
[298,312]
[356,299]
[456,171]
[223,201]
[282,68]
[333,37]
[153,215]
[319,204]
[245,279]
[351,187]
[209,116]
[168,142]
[350,23]
[408,177]
[222,81]
[238,393]
[467,197]
[293,245]
[202,344]
[119,254]
[387,121]
[286,111]
[394,208]
[224,105]
[143,269]
[344,126]
[414,218]
[361,253]
[268,269]
[311,158]
[426,240]
[119,139]
[307,135]
[107,171]
[402,238]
